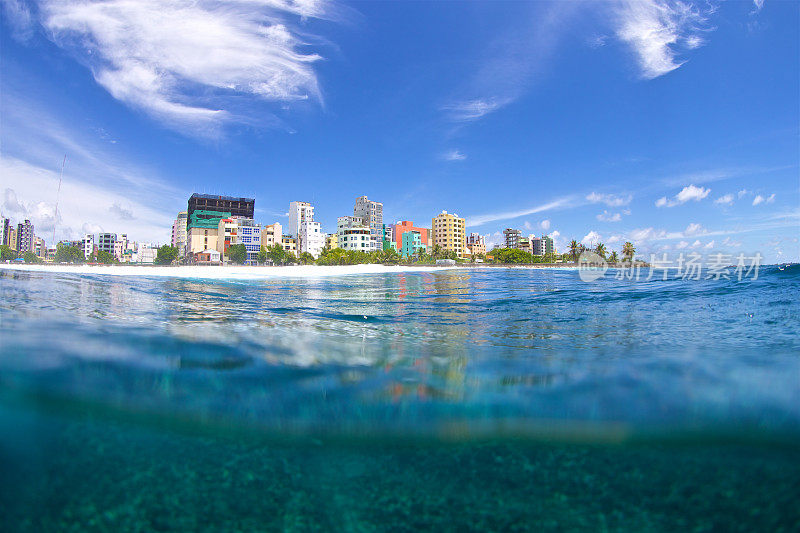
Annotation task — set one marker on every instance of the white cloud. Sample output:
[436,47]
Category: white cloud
[606,216]
[609,199]
[709,245]
[758,199]
[474,109]
[724,200]
[527,225]
[545,225]
[454,155]
[681,245]
[81,206]
[658,30]
[742,193]
[763,200]
[688,193]
[189,63]
[697,244]
[758,5]
[694,229]
[727,241]
[591,238]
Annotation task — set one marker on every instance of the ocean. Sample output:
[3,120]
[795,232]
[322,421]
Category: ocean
[464,399]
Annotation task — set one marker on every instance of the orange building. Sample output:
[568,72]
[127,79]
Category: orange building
[406,226]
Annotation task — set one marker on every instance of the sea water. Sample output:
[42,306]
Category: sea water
[449,400]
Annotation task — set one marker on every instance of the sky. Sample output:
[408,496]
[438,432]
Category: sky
[673,125]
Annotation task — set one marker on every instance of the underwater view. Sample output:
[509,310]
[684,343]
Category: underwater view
[459,399]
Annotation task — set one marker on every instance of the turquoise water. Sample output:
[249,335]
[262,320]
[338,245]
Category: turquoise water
[466,399]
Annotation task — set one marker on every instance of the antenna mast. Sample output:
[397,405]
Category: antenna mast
[55,215]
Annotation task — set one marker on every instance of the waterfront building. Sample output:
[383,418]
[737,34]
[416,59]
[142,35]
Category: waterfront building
[51,254]
[412,244]
[371,215]
[204,214]
[271,235]
[12,237]
[331,241]
[39,247]
[5,226]
[310,237]
[209,203]
[407,225]
[299,212]
[145,253]
[121,248]
[87,245]
[476,244]
[179,233]
[289,244]
[526,243]
[353,234]
[24,237]
[208,257]
[106,242]
[512,237]
[449,232]
[239,230]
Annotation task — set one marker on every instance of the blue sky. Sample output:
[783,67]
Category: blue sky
[673,125]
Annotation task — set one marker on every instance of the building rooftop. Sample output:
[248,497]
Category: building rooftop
[217,197]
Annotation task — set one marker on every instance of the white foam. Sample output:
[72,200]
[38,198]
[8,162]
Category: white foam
[221,272]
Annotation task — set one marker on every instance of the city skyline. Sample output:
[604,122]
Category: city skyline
[540,117]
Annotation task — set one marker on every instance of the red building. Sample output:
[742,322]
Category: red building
[405,226]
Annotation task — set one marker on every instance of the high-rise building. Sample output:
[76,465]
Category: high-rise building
[299,212]
[476,244]
[449,232]
[24,237]
[512,237]
[271,235]
[5,226]
[12,237]
[235,207]
[88,246]
[311,239]
[406,225]
[39,247]
[179,232]
[371,214]
[353,234]
[203,215]
[106,242]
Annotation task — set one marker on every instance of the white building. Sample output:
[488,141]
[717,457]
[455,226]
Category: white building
[371,214]
[88,246]
[353,234]
[311,238]
[179,233]
[299,212]
[239,230]
[144,253]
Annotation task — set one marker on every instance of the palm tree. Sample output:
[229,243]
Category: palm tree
[613,258]
[573,250]
[600,250]
[628,251]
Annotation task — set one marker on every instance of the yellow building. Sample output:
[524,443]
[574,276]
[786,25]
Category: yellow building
[332,241]
[449,232]
[200,239]
[289,244]
[271,235]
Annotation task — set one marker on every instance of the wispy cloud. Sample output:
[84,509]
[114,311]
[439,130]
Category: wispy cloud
[186,63]
[454,155]
[610,200]
[687,194]
[658,31]
[474,109]
[560,203]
